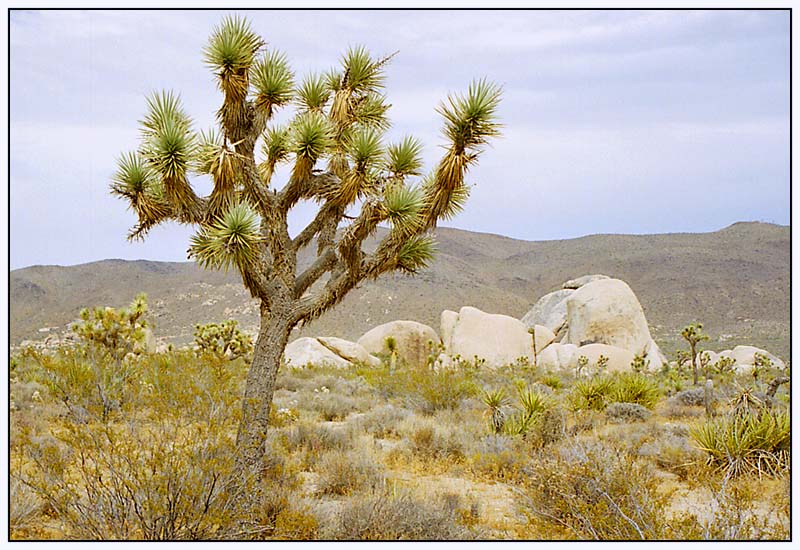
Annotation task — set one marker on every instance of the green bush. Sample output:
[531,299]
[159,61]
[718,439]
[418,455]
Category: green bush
[636,388]
[592,394]
[746,443]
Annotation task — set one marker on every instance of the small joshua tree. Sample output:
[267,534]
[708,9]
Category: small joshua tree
[334,143]
[694,334]
[223,339]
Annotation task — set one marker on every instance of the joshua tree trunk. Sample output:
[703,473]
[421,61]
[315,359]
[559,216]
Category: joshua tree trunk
[694,363]
[272,338]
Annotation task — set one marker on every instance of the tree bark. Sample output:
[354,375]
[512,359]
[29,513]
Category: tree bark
[272,338]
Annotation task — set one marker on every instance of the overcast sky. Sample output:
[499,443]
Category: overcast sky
[615,121]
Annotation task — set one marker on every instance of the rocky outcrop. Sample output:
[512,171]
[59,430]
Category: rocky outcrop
[549,311]
[585,280]
[543,337]
[305,352]
[447,322]
[497,339]
[556,356]
[414,341]
[619,360]
[744,357]
[593,309]
[606,311]
[349,351]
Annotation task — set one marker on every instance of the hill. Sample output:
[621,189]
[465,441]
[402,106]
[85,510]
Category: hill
[736,281]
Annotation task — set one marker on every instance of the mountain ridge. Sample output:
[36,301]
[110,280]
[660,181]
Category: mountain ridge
[735,280]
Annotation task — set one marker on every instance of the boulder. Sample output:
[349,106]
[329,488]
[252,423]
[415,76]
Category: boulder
[574,284]
[349,351]
[654,355]
[713,357]
[309,351]
[543,336]
[619,360]
[606,311]
[447,322]
[746,356]
[150,342]
[556,356]
[498,339]
[549,311]
[413,341]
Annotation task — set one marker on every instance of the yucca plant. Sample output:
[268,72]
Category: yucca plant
[592,394]
[636,388]
[338,157]
[495,400]
[746,443]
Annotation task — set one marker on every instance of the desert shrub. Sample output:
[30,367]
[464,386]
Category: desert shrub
[334,406]
[342,473]
[90,379]
[746,443]
[627,412]
[23,508]
[636,388]
[431,441]
[160,482]
[738,512]
[694,397]
[383,421]
[592,394]
[296,524]
[314,440]
[552,381]
[397,515]
[594,491]
[498,458]
[424,389]
[223,340]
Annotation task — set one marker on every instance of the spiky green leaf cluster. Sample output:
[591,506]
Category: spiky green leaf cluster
[371,111]
[134,179]
[232,240]
[416,253]
[361,72]
[162,108]
[169,144]
[404,204]
[313,93]
[232,45]
[405,158]
[365,149]
[277,144]
[312,135]
[471,120]
[273,80]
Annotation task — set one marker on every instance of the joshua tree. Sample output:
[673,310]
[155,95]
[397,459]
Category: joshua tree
[694,334]
[337,157]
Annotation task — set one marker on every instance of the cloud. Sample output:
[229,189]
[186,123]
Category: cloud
[610,117]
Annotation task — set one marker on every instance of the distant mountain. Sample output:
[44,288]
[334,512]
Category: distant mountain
[736,281]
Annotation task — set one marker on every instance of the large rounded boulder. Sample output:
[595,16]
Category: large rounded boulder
[413,340]
[549,311]
[619,360]
[744,357]
[497,339]
[305,352]
[349,350]
[606,311]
